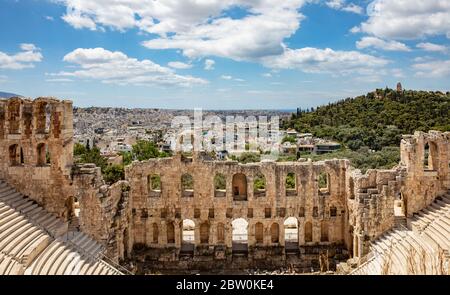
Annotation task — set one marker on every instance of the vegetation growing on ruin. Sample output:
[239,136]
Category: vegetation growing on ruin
[246,158]
[364,158]
[142,150]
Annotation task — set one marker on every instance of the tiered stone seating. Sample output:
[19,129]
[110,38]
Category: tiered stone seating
[33,241]
[420,250]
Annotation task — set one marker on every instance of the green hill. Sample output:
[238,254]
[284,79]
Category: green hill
[376,120]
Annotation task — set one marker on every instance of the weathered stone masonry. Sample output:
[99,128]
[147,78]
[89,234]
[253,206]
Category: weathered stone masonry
[36,139]
[155,216]
[352,209]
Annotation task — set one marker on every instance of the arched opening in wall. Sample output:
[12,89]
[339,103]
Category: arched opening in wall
[399,206]
[324,183]
[239,187]
[308,232]
[259,186]
[21,157]
[43,155]
[240,235]
[426,157]
[125,242]
[70,208]
[324,231]
[431,157]
[219,185]
[275,233]
[351,250]
[170,233]
[188,236]
[14,116]
[259,233]
[352,189]
[204,233]
[14,155]
[291,234]
[154,185]
[155,233]
[220,233]
[187,185]
[76,206]
[48,117]
[291,185]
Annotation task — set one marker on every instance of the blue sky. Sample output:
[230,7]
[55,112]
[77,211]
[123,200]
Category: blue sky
[221,54]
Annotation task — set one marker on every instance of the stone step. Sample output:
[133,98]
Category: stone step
[38,266]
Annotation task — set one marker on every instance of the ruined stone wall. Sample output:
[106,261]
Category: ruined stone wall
[37,150]
[427,177]
[104,208]
[153,212]
[371,206]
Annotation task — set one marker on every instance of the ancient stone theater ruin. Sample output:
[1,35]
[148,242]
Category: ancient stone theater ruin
[180,214]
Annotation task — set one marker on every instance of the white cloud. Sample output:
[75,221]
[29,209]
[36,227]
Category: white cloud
[313,60]
[267,75]
[198,28]
[118,68]
[59,80]
[209,64]
[378,43]
[407,19]
[342,5]
[228,77]
[432,47]
[179,65]
[79,21]
[26,58]
[49,18]
[433,69]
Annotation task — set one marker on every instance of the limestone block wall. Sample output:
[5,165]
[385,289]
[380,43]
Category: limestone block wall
[104,211]
[156,217]
[428,172]
[37,150]
[371,205]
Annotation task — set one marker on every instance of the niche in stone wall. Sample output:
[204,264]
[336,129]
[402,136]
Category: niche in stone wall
[155,233]
[239,187]
[431,157]
[16,156]
[274,233]
[308,232]
[259,233]
[324,231]
[170,233]
[220,233]
[204,233]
